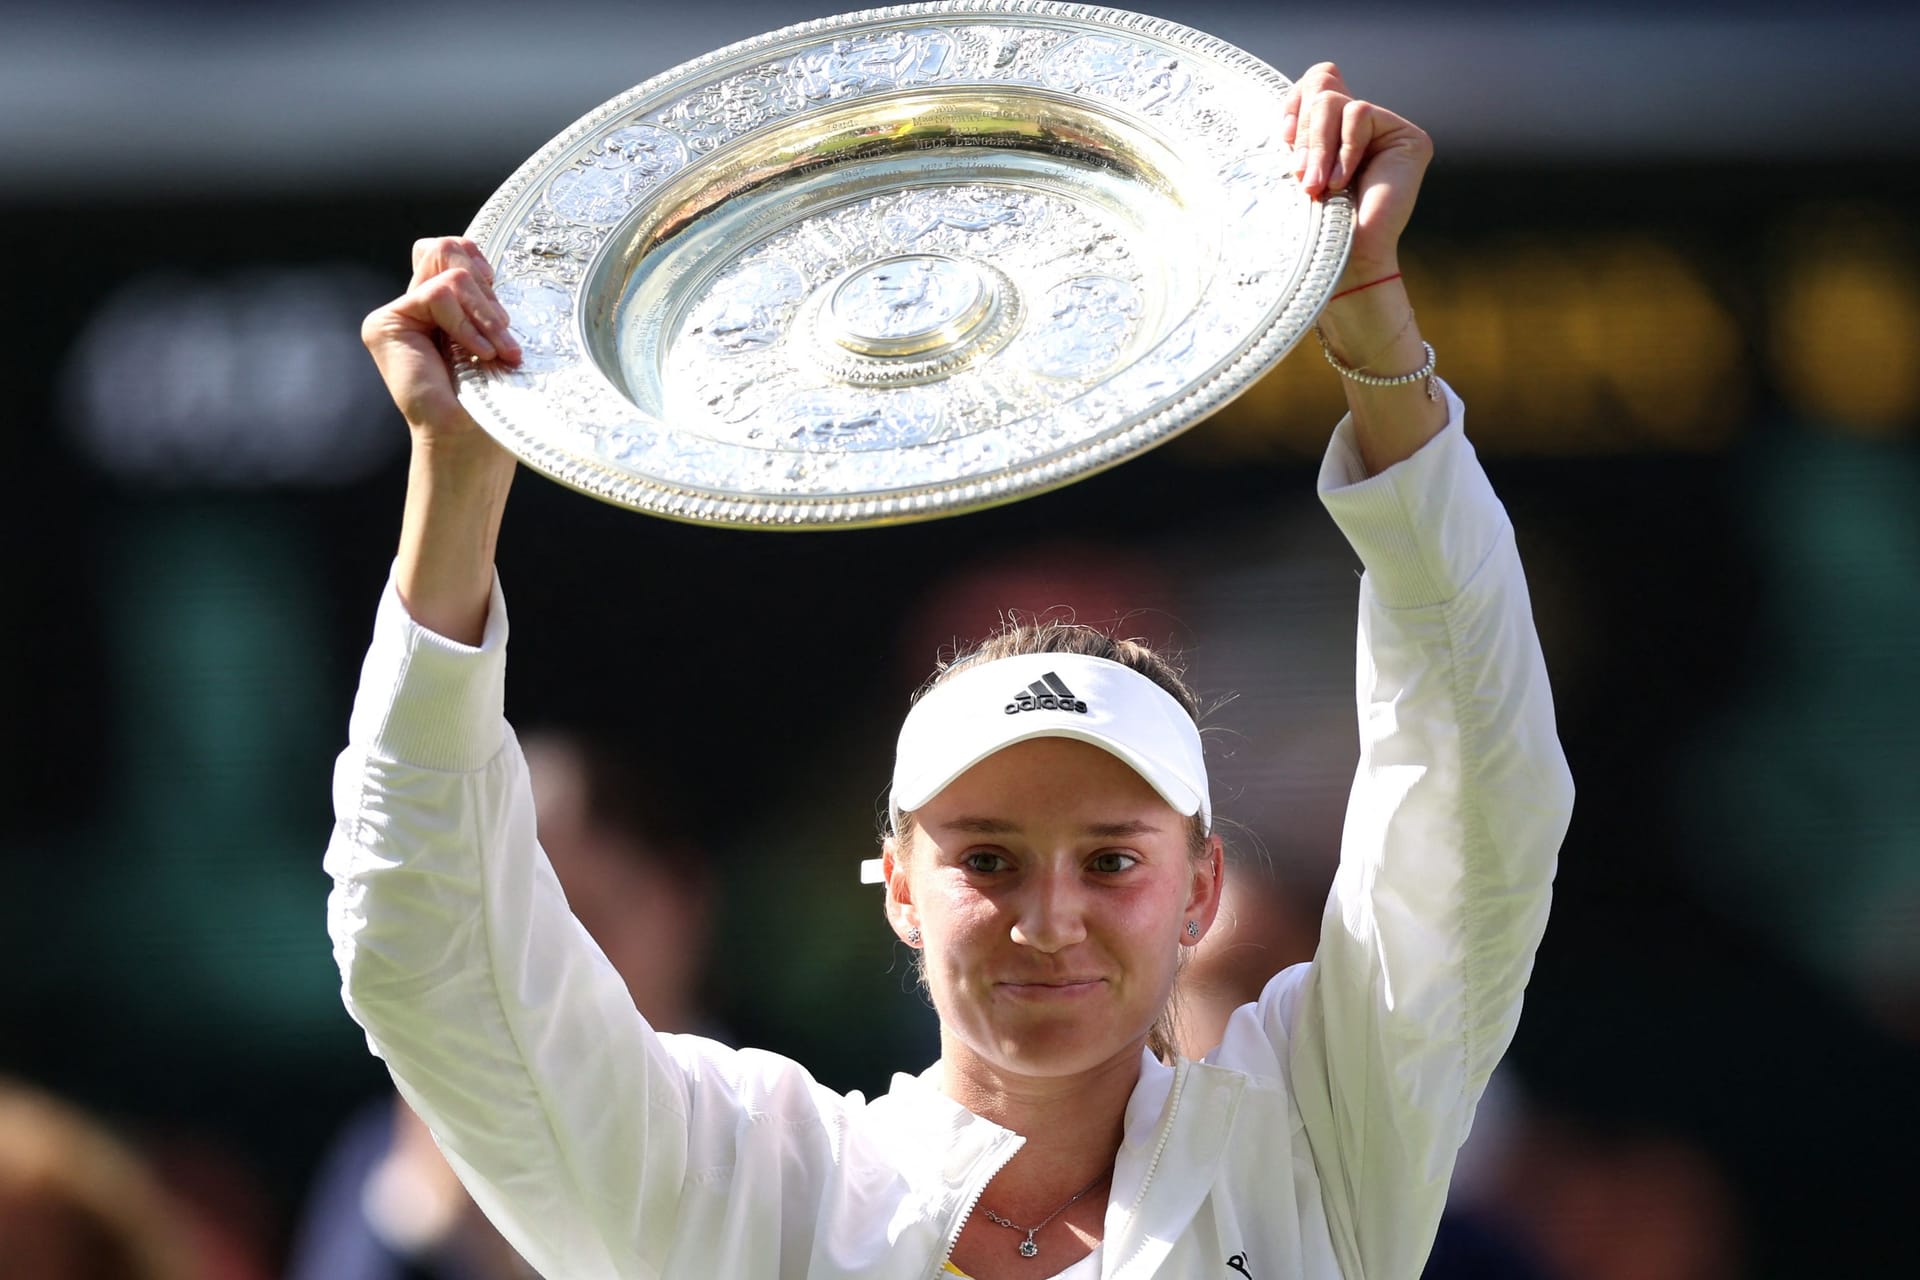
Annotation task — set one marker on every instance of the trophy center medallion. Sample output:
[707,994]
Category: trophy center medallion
[914,304]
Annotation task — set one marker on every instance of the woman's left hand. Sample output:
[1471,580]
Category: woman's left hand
[1377,158]
[1346,144]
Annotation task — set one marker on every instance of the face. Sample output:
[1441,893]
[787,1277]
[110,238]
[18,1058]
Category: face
[1052,888]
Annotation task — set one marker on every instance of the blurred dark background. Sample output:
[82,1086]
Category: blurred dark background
[1667,253]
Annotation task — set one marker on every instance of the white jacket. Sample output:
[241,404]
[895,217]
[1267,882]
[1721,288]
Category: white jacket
[1316,1142]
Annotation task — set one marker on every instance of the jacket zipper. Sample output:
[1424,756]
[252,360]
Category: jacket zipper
[1153,1164]
[960,1224]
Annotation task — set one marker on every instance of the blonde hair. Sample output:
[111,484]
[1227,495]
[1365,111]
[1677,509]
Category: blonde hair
[1013,638]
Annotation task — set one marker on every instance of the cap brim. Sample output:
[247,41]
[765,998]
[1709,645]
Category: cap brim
[1177,794]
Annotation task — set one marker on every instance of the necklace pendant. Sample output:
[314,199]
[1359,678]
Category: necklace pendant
[1028,1249]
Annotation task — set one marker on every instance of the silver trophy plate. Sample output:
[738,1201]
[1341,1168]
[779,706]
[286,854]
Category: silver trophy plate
[899,264]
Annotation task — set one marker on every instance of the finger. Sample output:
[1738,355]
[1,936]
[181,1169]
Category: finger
[1321,119]
[1322,77]
[1371,133]
[1358,126]
[459,308]
[455,304]
[1315,80]
[486,310]
[432,254]
[1299,110]
[480,263]
[438,254]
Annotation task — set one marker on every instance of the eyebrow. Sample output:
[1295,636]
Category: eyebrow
[981,826]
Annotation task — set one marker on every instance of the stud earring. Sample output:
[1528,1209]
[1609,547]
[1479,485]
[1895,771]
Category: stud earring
[913,937]
[1193,929]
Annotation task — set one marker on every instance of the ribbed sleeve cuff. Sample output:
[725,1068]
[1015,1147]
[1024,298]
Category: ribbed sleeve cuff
[1423,526]
[428,701]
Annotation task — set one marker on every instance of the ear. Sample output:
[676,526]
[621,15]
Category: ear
[1209,883]
[901,913]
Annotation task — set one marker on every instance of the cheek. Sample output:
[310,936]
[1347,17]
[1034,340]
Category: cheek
[962,933]
[1152,912]
[950,952]
[957,922]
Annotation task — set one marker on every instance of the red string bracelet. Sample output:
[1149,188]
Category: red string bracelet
[1368,285]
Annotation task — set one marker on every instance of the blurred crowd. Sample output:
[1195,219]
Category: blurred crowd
[1543,1192]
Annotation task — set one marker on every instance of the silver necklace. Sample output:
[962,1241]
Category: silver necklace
[1028,1249]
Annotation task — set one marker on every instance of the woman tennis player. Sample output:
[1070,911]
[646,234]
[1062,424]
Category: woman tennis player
[1052,853]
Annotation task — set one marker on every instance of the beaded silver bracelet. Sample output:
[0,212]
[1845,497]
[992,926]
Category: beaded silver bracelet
[1423,373]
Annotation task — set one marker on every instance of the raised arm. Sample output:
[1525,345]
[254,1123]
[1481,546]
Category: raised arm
[1448,855]
[1462,795]
[457,952]
[599,1148]
[502,1023]
[458,477]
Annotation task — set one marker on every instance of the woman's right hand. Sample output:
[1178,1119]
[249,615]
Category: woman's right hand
[458,480]
[450,297]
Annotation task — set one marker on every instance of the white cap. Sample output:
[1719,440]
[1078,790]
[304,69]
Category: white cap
[992,705]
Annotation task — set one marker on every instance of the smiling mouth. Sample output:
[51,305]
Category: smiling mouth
[1052,988]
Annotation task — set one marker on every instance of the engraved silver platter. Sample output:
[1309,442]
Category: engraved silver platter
[899,264]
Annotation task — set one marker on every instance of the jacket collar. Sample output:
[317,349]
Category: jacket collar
[1177,1124]
[946,1152]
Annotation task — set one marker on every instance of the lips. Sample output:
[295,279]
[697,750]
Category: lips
[1051,988]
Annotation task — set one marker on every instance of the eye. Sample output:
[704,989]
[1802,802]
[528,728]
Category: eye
[1112,861]
[984,861]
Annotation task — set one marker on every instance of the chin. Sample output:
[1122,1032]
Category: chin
[1046,1053]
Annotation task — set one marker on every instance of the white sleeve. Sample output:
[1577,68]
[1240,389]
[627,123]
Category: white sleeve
[1453,829]
[572,1123]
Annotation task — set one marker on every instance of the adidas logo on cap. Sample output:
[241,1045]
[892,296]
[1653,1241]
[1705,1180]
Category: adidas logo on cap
[1048,693]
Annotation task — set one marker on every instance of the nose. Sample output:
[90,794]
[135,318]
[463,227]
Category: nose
[1050,910]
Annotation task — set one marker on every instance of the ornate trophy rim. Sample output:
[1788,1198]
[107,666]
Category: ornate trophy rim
[582,272]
